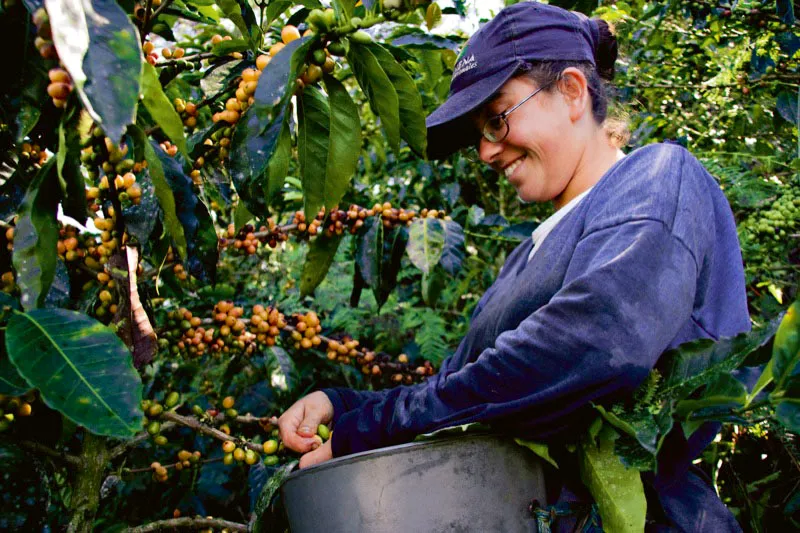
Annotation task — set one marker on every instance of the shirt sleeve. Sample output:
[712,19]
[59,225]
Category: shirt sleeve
[627,291]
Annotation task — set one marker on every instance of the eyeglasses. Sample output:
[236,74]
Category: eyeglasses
[496,128]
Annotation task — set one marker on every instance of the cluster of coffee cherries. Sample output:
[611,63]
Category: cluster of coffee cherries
[109,242]
[343,350]
[152,410]
[170,149]
[389,372]
[33,154]
[247,240]
[44,36]
[128,191]
[185,460]
[266,324]
[303,226]
[306,330]
[60,86]
[187,111]
[72,246]
[14,406]
[216,39]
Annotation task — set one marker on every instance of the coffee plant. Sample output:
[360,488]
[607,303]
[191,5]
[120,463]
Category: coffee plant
[210,208]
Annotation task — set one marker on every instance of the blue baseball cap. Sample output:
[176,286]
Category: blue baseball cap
[519,35]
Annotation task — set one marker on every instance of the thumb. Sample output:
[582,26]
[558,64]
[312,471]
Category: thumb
[311,421]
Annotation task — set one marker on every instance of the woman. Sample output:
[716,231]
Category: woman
[640,256]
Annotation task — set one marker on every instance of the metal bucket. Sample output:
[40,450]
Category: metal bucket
[475,483]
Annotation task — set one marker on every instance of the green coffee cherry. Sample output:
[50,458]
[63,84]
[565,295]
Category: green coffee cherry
[270,446]
[154,427]
[360,37]
[324,432]
[160,440]
[172,399]
[271,460]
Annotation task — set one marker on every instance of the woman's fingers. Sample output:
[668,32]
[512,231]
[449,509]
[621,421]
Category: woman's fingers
[320,455]
[298,425]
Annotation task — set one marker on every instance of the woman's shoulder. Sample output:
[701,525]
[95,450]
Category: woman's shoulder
[656,182]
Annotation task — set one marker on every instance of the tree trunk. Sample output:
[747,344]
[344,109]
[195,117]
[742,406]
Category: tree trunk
[86,484]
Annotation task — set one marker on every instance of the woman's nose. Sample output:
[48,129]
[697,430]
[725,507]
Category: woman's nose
[488,151]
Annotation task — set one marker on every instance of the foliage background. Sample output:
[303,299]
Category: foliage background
[721,78]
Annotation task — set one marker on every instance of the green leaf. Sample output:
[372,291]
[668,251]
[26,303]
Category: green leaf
[202,249]
[73,189]
[723,391]
[785,360]
[412,115]
[165,198]
[11,383]
[227,47]
[36,238]
[141,218]
[233,11]
[378,87]
[278,166]
[453,250]
[393,250]
[695,363]
[261,523]
[539,448]
[426,243]
[313,139]
[369,252]
[81,368]
[649,429]
[161,109]
[98,46]
[276,9]
[345,142]
[618,491]
[241,216]
[319,259]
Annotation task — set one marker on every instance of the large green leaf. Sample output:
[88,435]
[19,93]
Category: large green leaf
[165,198]
[161,109]
[696,363]
[328,143]
[426,243]
[233,11]
[786,350]
[723,391]
[202,251]
[36,237]
[278,166]
[319,259]
[81,368]
[73,189]
[378,87]
[100,48]
[618,491]
[649,429]
[141,218]
[313,139]
[412,115]
[344,145]
[11,383]
[369,252]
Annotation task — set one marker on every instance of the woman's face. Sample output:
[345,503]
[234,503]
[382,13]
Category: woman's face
[541,152]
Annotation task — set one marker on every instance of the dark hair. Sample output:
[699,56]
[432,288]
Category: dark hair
[605,55]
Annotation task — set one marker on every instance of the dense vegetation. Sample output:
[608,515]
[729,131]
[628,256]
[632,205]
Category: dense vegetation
[211,207]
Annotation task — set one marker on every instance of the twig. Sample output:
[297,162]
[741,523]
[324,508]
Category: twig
[194,57]
[160,9]
[196,425]
[149,469]
[195,523]
[72,460]
[146,21]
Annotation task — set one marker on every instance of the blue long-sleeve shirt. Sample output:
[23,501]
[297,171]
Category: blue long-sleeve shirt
[648,260]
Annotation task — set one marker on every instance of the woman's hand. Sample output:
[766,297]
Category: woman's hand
[298,425]
[320,455]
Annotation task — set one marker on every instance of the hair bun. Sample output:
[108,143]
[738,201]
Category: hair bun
[605,53]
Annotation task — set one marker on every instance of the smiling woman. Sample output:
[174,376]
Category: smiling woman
[641,256]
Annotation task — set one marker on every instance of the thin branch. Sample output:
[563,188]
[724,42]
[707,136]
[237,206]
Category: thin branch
[188,522]
[196,425]
[160,9]
[194,57]
[72,460]
[149,469]
[148,8]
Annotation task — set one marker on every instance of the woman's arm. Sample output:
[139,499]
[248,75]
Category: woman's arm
[628,290]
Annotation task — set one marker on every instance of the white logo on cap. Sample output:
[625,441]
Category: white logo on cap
[466,64]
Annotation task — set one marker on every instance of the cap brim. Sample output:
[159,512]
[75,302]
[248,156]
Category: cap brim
[449,128]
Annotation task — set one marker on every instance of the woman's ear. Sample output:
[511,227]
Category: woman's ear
[575,90]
